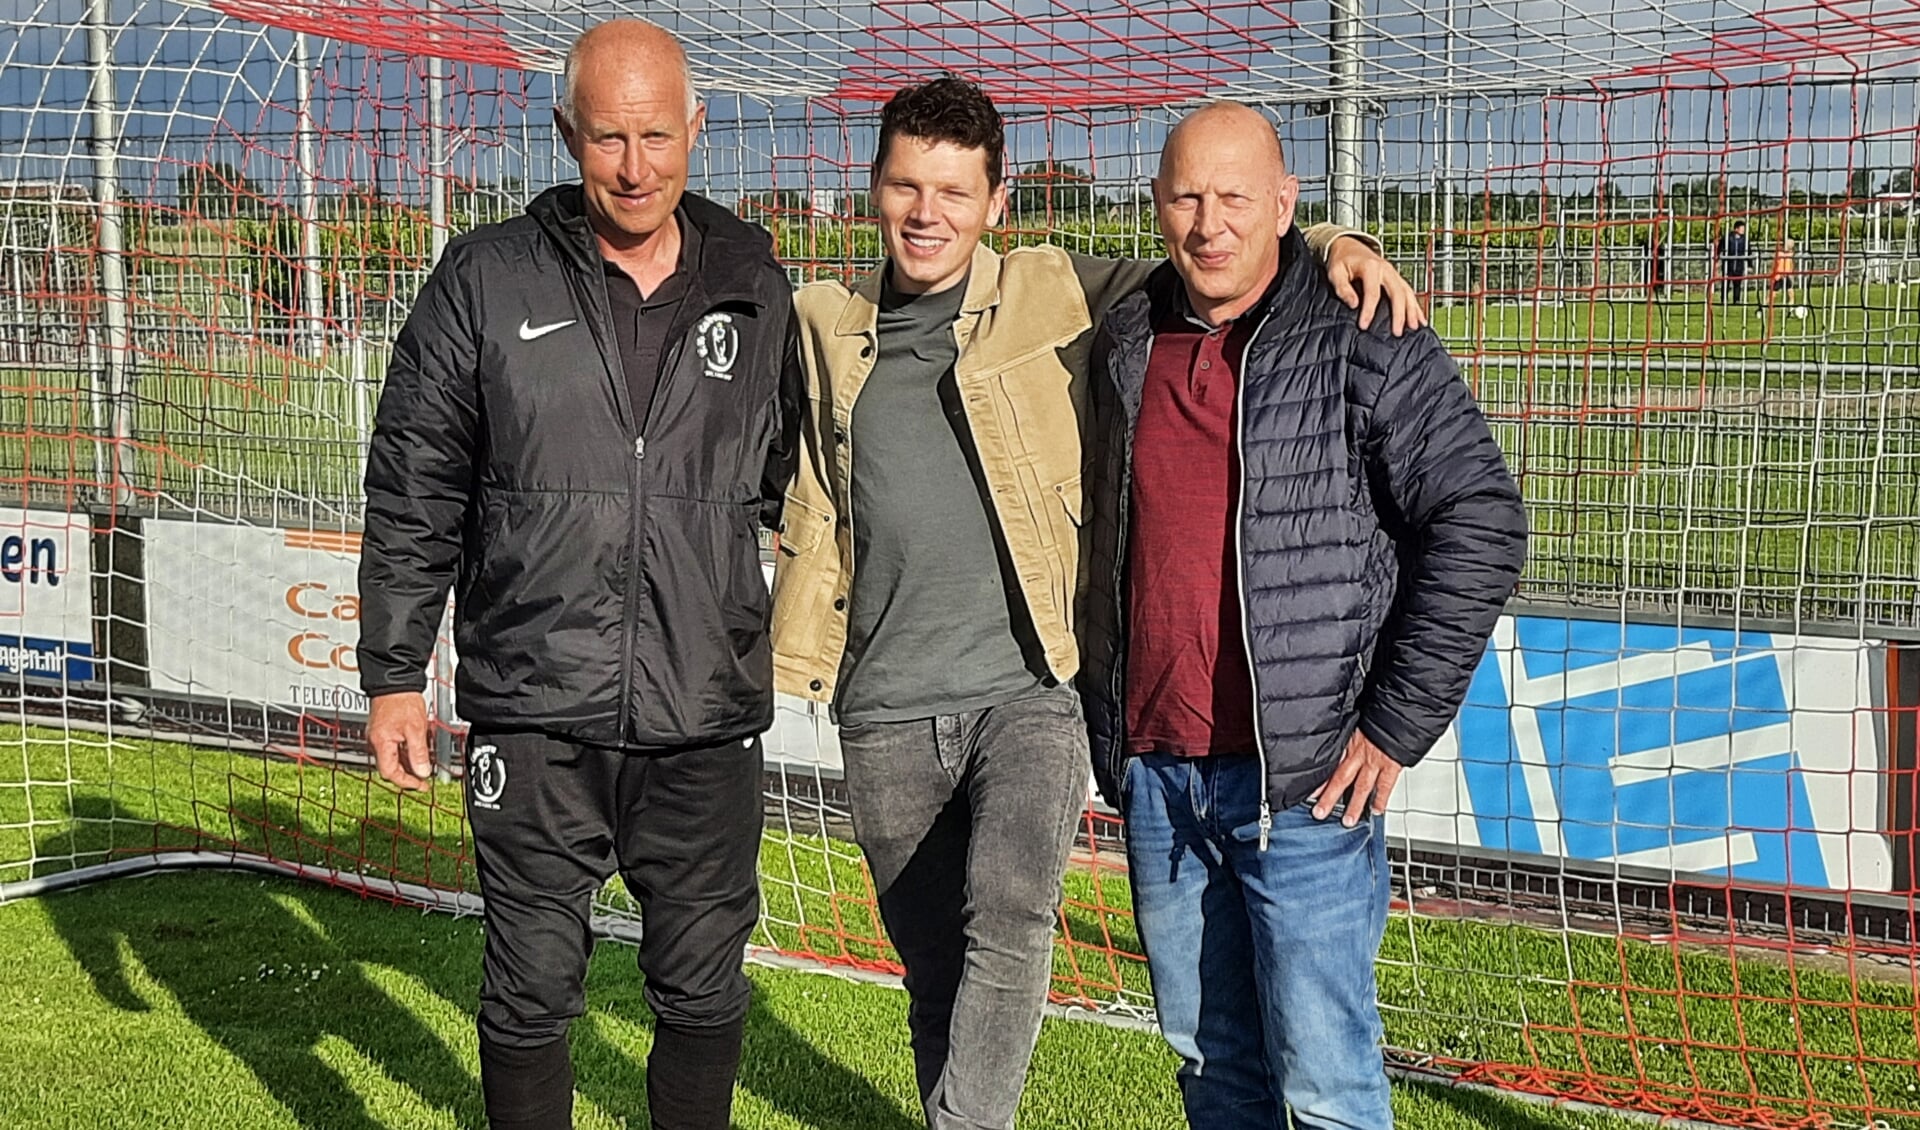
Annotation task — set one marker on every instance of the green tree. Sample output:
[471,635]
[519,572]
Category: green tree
[372,248]
[497,200]
[760,206]
[1860,184]
[1046,188]
[219,191]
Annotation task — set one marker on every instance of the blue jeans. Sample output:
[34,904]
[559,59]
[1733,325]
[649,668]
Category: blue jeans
[1262,962]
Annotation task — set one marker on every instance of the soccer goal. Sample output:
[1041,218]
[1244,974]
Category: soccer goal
[1665,860]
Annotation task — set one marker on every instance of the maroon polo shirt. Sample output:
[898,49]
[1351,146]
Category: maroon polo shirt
[1189,689]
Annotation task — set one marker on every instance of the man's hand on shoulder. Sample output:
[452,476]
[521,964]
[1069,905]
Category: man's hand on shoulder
[397,731]
[1360,275]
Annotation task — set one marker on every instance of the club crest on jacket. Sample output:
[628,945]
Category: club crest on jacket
[718,343]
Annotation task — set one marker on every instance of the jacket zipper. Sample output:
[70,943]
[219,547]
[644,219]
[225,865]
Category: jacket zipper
[1240,570]
[630,599]
[632,596]
[1121,520]
[637,494]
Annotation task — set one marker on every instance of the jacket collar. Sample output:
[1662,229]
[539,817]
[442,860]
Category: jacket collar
[861,315]
[733,253]
[1163,293]
[1170,299]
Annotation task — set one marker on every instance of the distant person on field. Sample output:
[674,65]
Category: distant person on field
[1783,284]
[1302,534]
[1735,261]
[589,414]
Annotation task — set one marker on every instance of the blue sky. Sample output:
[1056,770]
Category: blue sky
[194,83]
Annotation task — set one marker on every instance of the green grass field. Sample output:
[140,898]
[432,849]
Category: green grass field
[1700,1025]
[1848,327]
[227,1001]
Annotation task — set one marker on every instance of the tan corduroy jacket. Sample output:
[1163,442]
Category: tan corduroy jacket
[1024,334]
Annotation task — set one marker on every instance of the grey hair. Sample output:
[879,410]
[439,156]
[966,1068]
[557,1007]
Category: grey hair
[570,75]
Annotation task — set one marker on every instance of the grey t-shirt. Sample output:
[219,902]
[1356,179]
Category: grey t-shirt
[934,624]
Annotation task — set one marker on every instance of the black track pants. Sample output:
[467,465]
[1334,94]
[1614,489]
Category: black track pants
[552,822]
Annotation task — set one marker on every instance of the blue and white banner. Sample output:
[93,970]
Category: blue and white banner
[1746,755]
[46,595]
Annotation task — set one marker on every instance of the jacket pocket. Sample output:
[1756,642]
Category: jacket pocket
[482,562]
[745,609]
[1359,671]
[1044,403]
[804,573]
[1071,501]
[1070,540]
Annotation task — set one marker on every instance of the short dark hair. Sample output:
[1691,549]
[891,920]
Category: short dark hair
[1738,224]
[947,108]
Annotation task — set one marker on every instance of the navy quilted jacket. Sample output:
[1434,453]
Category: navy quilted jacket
[1380,533]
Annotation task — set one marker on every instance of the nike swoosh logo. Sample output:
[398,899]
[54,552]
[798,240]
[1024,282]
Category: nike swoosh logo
[529,333]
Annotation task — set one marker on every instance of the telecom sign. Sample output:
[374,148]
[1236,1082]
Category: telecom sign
[257,614]
[1749,755]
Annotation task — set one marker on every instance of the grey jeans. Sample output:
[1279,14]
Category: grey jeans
[966,821]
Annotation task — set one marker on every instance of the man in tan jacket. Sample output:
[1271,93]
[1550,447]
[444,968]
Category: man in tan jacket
[925,589]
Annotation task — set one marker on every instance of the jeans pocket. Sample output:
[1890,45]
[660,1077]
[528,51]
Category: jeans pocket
[1126,777]
[1061,700]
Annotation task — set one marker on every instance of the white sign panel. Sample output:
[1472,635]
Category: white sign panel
[802,737]
[271,616]
[46,595]
[255,613]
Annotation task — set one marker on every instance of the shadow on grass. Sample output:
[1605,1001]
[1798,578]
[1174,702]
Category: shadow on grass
[265,983]
[241,959]
[1492,1112]
[789,1073]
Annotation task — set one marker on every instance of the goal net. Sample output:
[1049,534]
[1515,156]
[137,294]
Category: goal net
[1665,859]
